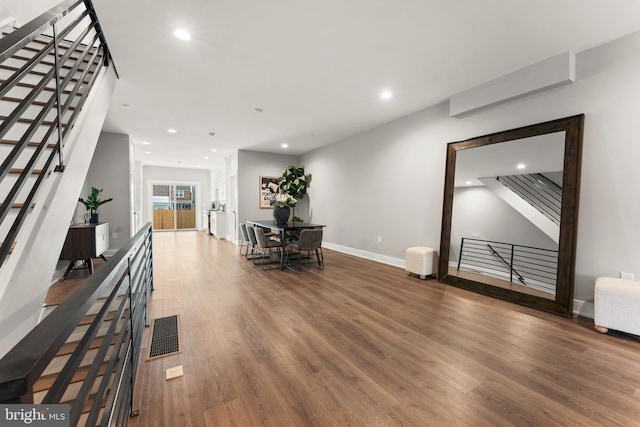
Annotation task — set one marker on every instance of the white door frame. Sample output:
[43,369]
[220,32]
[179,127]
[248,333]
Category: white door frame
[150,185]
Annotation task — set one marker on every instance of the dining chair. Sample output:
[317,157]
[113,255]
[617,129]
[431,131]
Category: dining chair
[309,242]
[265,245]
[244,242]
[251,236]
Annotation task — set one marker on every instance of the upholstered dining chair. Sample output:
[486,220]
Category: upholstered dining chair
[309,243]
[251,236]
[244,242]
[263,246]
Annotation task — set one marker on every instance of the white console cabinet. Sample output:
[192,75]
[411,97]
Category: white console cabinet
[218,224]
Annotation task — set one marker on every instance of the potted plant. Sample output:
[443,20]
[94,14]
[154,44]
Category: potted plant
[294,182]
[282,207]
[92,203]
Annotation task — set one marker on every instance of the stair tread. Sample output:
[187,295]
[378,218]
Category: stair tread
[29,121]
[19,170]
[51,64]
[60,44]
[34,72]
[69,347]
[33,49]
[48,89]
[29,144]
[87,405]
[46,381]
[37,103]
[89,318]
[21,205]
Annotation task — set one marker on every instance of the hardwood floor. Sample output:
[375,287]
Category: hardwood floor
[363,344]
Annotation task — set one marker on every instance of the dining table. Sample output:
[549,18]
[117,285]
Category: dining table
[283,229]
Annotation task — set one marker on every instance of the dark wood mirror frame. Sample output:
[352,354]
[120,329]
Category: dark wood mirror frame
[563,303]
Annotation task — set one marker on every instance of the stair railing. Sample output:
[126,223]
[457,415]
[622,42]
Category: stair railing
[512,270]
[70,33]
[539,191]
[119,288]
[533,267]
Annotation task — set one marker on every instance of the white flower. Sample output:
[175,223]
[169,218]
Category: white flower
[281,200]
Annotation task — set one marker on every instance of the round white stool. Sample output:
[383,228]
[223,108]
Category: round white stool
[421,260]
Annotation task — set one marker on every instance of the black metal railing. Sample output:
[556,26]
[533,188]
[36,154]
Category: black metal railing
[48,67]
[526,265]
[537,190]
[115,297]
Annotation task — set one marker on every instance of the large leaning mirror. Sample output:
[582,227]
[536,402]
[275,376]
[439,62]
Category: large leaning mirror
[509,222]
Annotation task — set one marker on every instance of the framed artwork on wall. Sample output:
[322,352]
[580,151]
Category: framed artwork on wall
[268,190]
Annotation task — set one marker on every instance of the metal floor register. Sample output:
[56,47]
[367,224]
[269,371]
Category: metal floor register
[164,337]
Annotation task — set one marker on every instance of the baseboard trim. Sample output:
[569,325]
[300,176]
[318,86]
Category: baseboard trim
[396,262]
[583,308]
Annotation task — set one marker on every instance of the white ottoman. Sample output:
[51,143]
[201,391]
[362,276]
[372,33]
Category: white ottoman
[421,260]
[616,305]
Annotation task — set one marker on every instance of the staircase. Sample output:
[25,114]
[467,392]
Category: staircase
[534,196]
[85,353]
[56,81]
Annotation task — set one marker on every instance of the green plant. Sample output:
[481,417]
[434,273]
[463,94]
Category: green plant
[92,202]
[294,182]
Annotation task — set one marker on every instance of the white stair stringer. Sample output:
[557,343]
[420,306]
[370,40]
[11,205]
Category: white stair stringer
[26,274]
[536,217]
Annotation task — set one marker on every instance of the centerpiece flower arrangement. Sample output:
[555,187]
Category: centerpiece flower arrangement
[294,182]
[282,207]
[281,200]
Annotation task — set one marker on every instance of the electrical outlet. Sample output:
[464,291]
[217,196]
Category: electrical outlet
[114,235]
[174,372]
[379,239]
[626,276]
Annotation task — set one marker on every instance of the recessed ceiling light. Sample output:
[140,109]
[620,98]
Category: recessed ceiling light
[147,152]
[385,94]
[213,150]
[146,143]
[205,157]
[172,131]
[182,34]
[257,110]
[284,145]
[521,166]
[468,183]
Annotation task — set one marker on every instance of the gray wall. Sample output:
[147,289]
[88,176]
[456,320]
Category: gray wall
[109,170]
[251,166]
[389,180]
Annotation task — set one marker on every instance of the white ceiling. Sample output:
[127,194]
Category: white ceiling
[538,154]
[316,68]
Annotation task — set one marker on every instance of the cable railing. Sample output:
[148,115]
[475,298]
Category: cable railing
[529,266]
[47,69]
[101,370]
[539,191]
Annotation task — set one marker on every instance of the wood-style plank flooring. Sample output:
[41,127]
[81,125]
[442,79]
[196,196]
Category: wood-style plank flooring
[363,344]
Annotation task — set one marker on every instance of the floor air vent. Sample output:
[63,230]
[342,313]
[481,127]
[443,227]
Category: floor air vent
[164,337]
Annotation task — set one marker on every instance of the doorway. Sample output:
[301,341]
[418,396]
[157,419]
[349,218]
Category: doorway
[174,206]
